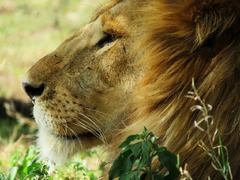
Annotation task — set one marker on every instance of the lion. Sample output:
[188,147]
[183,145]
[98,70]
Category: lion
[132,66]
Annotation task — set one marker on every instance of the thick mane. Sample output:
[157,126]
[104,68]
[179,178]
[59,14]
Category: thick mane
[192,39]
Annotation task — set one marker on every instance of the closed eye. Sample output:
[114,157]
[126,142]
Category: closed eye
[107,39]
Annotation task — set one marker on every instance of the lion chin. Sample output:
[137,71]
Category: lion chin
[132,66]
[59,149]
[55,150]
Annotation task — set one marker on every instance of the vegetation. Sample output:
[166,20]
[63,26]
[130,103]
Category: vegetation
[218,153]
[29,167]
[135,161]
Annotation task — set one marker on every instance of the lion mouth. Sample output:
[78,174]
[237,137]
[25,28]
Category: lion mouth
[87,135]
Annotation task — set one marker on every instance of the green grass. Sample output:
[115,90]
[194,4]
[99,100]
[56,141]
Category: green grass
[28,166]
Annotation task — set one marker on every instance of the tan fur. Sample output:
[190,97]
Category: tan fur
[141,79]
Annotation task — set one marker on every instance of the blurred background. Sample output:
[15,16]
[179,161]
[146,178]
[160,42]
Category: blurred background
[29,29]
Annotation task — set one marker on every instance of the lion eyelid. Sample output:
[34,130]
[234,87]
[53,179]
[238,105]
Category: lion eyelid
[108,38]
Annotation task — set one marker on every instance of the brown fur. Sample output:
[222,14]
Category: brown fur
[188,39]
[164,44]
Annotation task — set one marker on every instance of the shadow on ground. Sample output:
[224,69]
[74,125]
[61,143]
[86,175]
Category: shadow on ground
[14,108]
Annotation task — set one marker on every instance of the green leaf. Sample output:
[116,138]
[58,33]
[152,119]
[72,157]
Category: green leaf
[144,133]
[129,140]
[122,164]
[3,176]
[169,161]
[132,175]
[136,149]
[36,173]
[145,155]
[91,176]
[12,173]
[225,163]
[158,177]
[33,167]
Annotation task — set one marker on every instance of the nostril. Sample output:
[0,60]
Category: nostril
[32,91]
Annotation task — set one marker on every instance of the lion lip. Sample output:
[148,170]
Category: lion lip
[76,137]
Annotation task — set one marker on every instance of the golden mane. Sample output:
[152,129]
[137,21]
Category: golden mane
[192,39]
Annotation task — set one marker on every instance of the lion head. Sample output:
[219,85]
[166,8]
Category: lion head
[131,67]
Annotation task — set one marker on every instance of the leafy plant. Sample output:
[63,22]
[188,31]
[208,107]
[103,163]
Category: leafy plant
[136,159]
[26,167]
[3,176]
[75,170]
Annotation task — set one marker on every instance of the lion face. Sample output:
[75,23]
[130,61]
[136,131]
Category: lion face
[81,89]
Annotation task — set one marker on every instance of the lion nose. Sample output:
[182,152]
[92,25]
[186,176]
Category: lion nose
[32,91]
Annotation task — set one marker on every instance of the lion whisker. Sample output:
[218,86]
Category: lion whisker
[93,123]
[93,128]
[102,114]
[81,114]
[92,115]
[74,133]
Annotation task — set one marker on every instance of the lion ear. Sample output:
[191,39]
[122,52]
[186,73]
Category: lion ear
[213,19]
